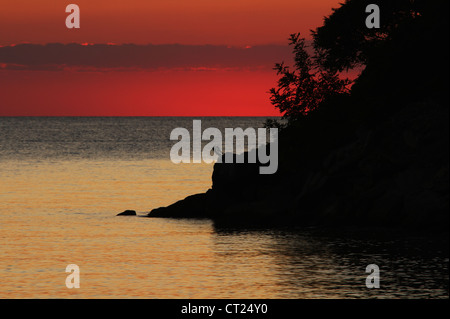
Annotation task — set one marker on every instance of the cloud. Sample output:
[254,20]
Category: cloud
[103,57]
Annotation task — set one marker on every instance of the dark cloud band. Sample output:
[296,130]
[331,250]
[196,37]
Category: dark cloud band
[56,56]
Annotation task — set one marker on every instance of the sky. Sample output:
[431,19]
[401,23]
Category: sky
[147,57]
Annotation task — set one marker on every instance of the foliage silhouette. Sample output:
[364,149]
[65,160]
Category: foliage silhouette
[401,59]
[402,62]
[304,88]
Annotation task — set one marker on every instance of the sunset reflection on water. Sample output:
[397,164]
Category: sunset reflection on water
[60,213]
[59,197]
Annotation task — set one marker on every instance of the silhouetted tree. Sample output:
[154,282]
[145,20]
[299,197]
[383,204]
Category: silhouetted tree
[400,58]
[402,62]
[302,89]
[344,41]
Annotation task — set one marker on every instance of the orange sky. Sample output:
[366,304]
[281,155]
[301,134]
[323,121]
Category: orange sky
[149,92]
[232,22]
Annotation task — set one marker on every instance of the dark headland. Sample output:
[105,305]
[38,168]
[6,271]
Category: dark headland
[376,155]
[394,174]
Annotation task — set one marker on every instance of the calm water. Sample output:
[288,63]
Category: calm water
[62,180]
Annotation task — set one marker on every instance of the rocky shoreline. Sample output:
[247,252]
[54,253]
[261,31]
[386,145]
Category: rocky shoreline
[394,174]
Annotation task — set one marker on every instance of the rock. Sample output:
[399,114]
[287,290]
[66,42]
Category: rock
[127,213]
[191,207]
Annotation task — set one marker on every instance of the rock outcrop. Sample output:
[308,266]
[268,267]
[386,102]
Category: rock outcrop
[127,213]
[394,174]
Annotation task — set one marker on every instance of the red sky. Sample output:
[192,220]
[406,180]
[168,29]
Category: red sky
[160,90]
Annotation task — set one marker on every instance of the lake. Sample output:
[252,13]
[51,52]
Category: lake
[63,180]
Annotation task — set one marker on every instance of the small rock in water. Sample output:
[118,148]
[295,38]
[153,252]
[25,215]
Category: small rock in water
[127,213]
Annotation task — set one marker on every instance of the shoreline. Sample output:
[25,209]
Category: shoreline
[373,179]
